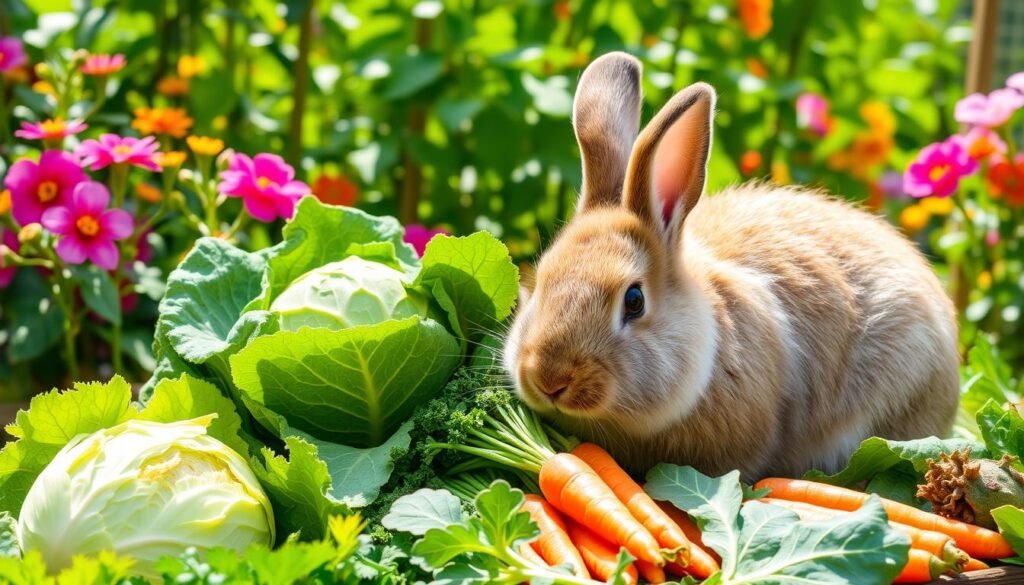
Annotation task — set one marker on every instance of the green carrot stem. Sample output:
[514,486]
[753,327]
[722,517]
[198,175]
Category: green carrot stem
[490,455]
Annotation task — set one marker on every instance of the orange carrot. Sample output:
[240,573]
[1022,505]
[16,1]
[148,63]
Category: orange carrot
[975,565]
[553,545]
[577,491]
[923,567]
[936,543]
[640,505]
[975,541]
[601,556]
[703,560]
[651,573]
[531,555]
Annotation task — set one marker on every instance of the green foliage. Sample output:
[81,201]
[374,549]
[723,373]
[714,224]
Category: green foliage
[764,543]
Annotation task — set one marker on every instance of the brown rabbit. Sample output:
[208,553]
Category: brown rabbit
[768,329]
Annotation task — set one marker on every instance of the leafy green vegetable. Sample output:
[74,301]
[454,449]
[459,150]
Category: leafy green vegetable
[8,536]
[761,543]
[1010,520]
[1002,430]
[423,510]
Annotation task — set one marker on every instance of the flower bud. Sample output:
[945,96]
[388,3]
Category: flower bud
[30,233]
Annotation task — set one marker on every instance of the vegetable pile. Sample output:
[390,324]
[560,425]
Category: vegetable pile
[330,410]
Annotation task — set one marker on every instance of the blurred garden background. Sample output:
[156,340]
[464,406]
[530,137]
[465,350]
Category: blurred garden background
[454,115]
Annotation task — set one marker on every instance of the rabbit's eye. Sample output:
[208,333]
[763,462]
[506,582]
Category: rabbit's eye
[634,302]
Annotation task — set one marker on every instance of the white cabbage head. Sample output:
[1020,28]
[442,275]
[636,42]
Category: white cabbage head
[145,490]
[353,291]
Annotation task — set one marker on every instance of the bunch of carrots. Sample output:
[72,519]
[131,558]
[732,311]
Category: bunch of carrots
[939,545]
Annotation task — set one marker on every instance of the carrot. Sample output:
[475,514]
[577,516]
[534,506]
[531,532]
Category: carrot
[974,565]
[531,555]
[651,573]
[923,567]
[936,543]
[576,490]
[975,541]
[601,556]
[640,505]
[553,545]
[703,561]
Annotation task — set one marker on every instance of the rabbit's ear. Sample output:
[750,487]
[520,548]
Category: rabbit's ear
[606,118]
[666,171]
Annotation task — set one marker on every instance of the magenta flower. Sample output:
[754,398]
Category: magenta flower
[12,54]
[812,112]
[266,185]
[54,129]
[112,149]
[990,111]
[9,239]
[87,229]
[1016,81]
[938,168]
[103,65]
[418,235]
[36,187]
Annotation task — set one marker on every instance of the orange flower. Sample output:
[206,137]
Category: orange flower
[914,218]
[867,151]
[1006,179]
[750,162]
[755,16]
[171,159]
[562,10]
[148,193]
[780,173]
[191,65]
[335,190]
[5,201]
[649,40]
[204,145]
[879,117]
[172,86]
[171,121]
[756,68]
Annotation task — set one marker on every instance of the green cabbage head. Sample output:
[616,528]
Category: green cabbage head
[353,291]
[145,490]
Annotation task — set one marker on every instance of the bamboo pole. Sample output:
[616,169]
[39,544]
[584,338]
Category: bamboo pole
[982,55]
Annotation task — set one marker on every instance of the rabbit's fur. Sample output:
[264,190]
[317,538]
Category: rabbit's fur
[780,327]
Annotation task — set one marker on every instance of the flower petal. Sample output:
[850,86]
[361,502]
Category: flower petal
[260,208]
[117,223]
[103,253]
[90,197]
[59,220]
[71,249]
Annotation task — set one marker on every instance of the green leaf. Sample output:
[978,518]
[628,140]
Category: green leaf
[411,73]
[299,489]
[422,510]
[504,523]
[1010,520]
[291,563]
[36,322]
[99,292]
[876,455]
[550,96]
[186,398]
[473,279]
[9,536]
[353,386]
[440,545]
[1002,429]
[52,420]
[28,571]
[320,234]
[453,112]
[201,314]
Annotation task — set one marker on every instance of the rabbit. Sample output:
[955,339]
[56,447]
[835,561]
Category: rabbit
[767,329]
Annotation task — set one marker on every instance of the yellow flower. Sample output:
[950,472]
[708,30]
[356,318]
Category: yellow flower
[879,117]
[172,86]
[5,201]
[148,193]
[44,87]
[171,121]
[204,145]
[938,205]
[171,159]
[985,280]
[914,218]
[780,173]
[190,66]
[220,122]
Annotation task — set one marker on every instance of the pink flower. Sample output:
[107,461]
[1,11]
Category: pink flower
[54,129]
[1016,81]
[265,183]
[891,184]
[812,112]
[36,187]
[9,239]
[112,149]
[992,238]
[87,229]
[938,168]
[12,54]
[992,110]
[418,235]
[103,65]
[982,144]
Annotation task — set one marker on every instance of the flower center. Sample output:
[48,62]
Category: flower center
[88,225]
[264,182]
[47,191]
[981,148]
[123,149]
[53,128]
[937,172]
[2,56]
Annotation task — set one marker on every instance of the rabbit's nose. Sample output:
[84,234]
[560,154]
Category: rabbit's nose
[554,384]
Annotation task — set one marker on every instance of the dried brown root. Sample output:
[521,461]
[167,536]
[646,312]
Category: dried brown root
[968,489]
